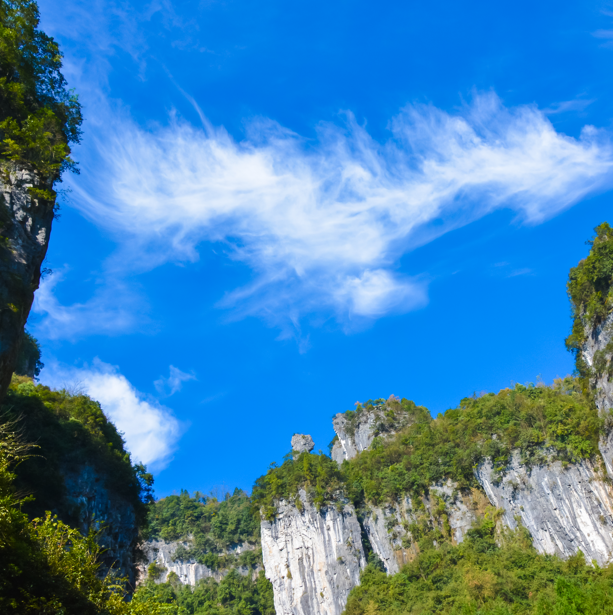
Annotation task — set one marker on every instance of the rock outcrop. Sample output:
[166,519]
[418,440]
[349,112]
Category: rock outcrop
[312,557]
[355,430]
[597,353]
[25,226]
[96,507]
[189,571]
[302,443]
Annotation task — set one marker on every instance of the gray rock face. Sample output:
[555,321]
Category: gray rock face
[357,430]
[302,443]
[102,510]
[388,531]
[565,510]
[597,341]
[25,225]
[312,558]
[190,571]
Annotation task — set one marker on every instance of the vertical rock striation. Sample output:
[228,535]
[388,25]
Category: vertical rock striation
[564,509]
[313,558]
[597,353]
[388,526]
[25,224]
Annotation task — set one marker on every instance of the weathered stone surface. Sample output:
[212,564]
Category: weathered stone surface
[302,443]
[25,225]
[99,508]
[356,432]
[565,510]
[387,526]
[597,341]
[190,571]
[312,558]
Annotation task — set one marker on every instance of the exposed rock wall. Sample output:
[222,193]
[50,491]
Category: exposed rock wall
[312,558]
[357,430]
[388,530]
[96,507]
[597,342]
[25,225]
[189,572]
[565,510]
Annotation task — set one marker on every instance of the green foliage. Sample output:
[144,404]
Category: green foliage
[28,362]
[391,414]
[233,595]
[47,567]
[497,573]
[542,422]
[70,430]
[39,116]
[211,526]
[591,295]
[317,474]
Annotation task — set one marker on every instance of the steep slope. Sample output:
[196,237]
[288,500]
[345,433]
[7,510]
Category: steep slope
[201,537]
[39,118]
[79,469]
[25,226]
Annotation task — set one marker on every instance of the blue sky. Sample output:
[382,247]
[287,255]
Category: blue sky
[284,208]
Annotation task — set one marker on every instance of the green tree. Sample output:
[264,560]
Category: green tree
[39,115]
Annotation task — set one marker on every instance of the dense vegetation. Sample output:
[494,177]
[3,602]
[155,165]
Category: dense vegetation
[541,422]
[233,595]
[70,430]
[317,474]
[211,526]
[490,572]
[47,567]
[28,361]
[39,116]
[557,422]
[591,297]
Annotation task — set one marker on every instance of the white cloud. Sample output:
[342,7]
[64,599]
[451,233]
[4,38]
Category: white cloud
[323,225]
[174,382]
[150,429]
[115,308]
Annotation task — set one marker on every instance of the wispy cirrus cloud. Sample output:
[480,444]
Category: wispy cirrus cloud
[150,430]
[173,383]
[114,309]
[323,224]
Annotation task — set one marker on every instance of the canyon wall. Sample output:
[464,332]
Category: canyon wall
[96,507]
[25,226]
[313,558]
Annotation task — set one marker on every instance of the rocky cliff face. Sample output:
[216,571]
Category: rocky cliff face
[96,507]
[189,571]
[356,430]
[25,225]
[597,352]
[313,558]
[388,527]
[564,509]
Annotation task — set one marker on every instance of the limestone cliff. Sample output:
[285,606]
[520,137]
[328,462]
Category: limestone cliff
[565,509]
[388,526]
[356,429]
[312,557]
[25,225]
[188,570]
